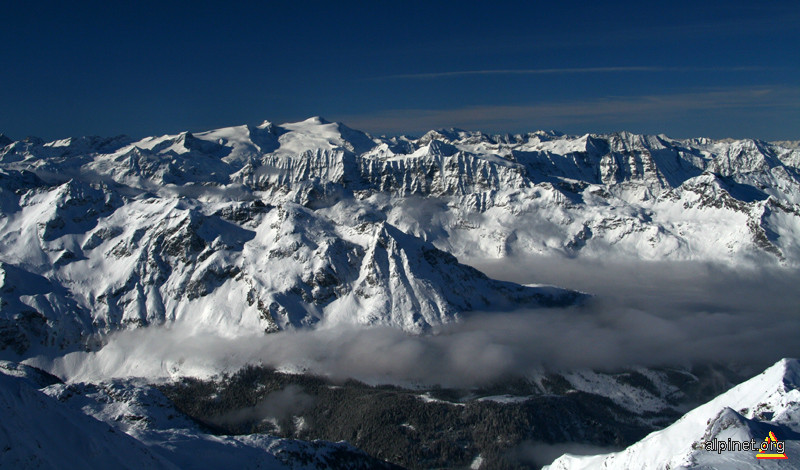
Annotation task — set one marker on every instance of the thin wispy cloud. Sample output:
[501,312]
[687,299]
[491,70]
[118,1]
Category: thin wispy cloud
[564,71]
[611,110]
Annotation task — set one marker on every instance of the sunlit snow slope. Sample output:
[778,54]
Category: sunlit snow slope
[749,411]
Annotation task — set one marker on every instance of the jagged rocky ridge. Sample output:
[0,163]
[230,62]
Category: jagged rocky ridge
[282,226]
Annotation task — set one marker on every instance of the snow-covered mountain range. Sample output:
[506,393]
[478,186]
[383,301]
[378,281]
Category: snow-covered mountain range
[283,226]
[261,228]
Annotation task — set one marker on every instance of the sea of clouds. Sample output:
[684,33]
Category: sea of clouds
[641,314]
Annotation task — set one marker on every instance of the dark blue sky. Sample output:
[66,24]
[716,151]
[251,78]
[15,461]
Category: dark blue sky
[699,68]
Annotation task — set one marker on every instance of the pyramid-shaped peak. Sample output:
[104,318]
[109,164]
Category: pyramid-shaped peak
[431,135]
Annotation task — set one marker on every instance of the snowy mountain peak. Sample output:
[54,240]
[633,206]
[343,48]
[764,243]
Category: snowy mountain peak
[787,371]
[317,133]
[769,401]
[317,120]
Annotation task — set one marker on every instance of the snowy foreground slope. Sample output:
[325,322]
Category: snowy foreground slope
[749,411]
[270,227]
[125,424]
